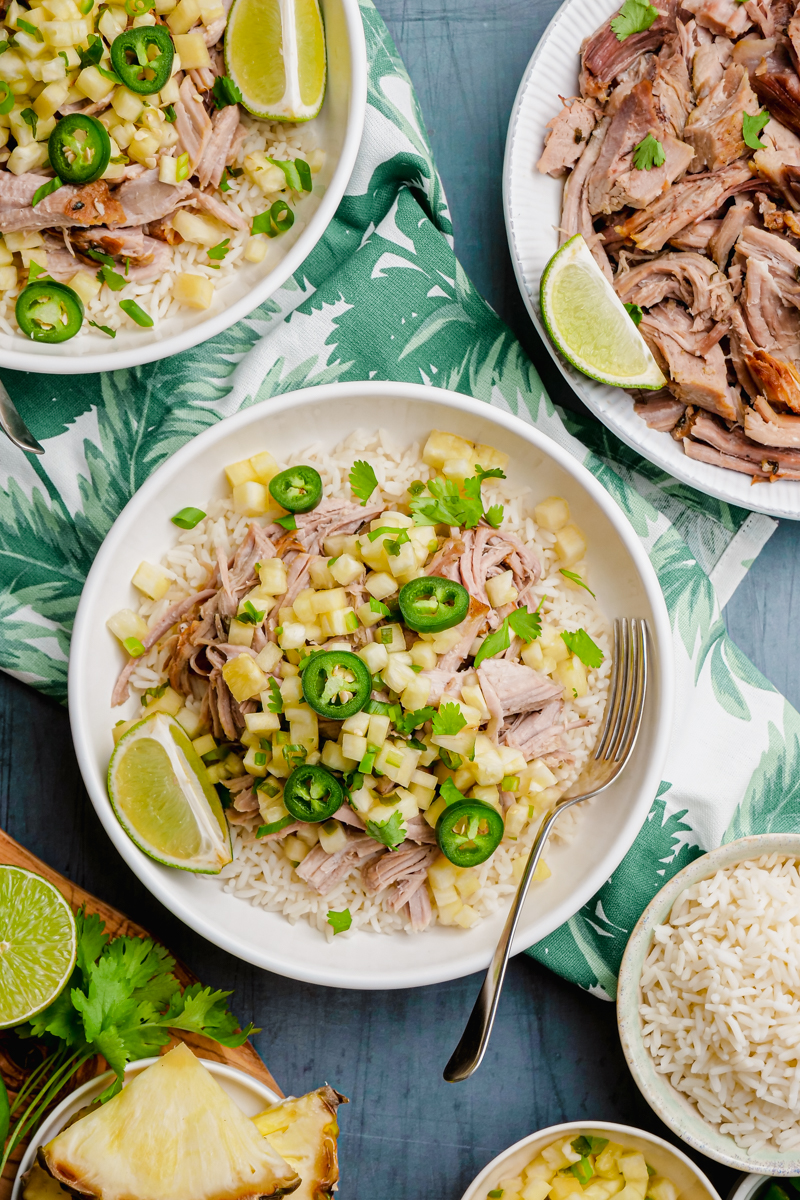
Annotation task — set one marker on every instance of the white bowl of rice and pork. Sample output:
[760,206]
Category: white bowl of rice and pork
[249,627]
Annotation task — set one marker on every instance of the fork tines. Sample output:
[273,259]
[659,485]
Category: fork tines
[626,694]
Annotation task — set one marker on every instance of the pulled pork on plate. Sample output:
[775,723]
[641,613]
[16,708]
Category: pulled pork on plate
[682,163]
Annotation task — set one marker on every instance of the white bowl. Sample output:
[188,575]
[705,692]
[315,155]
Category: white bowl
[746,1187]
[340,125]
[251,1096]
[532,204]
[690,1181]
[675,1109]
[625,583]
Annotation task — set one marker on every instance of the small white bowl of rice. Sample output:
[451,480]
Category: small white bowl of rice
[264,906]
[517,1171]
[708,1004]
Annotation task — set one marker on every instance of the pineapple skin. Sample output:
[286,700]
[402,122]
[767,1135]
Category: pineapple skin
[304,1131]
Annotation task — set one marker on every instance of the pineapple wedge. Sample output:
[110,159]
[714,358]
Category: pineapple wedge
[171,1134]
[41,1186]
[304,1132]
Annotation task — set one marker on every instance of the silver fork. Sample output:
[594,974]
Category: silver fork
[615,743]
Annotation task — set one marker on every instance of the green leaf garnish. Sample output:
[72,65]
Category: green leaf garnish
[633,17]
[635,313]
[187,518]
[340,922]
[410,721]
[582,646]
[134,647]
[46,189]
[751,128]
[250,616]
[389,833]
[288,522]
[649,153]
[576,579]
[363,480]
[225,92]
[449,720]
[275,702]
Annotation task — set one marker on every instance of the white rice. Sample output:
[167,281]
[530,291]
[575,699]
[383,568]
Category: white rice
[278,141]
[260,872]
[721,1000]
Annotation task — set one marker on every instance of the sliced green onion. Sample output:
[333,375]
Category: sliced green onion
[274,826]
[112,333]
[46,189]
[7,102]
[182,167]
[187,518]
[135,313]
[275,220]
[134,647]
[510,783]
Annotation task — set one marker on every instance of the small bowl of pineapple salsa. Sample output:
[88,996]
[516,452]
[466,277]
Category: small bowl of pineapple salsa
[591,1161]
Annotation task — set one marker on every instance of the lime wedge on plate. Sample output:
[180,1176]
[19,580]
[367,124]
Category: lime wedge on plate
[588,322]
[38,944]
[275,54]
[164,800]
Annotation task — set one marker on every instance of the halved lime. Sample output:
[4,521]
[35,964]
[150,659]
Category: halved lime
[38,944]
[589,324]
[164,799]
[275,54]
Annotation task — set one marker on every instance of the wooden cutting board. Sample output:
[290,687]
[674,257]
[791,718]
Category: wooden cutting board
[245,1057]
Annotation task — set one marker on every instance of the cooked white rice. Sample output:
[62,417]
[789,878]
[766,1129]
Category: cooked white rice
[279,141]
[260,872]
[721,1000]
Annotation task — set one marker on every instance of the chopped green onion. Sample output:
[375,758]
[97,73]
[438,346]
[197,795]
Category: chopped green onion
[274,221]
[112,333]
[510,783]
[46,189]
[260,758]
[33,30]
[274,826]
[187,518]
[134,647]
[181,167]
[31,119]
[135,313]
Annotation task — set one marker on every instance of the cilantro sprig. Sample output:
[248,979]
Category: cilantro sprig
[409,721]
[389,833]
[446,504]
[121,1001]
[576,579]
[339,922]
[363,480]
[448,721]
[635,16]
[582,646]
[524,623]
[751,128]
[275,702]
[251,616]
[649,153]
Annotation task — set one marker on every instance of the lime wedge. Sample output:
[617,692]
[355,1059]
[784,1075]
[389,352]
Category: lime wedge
[275,54]
[38,944]
[589,324]
[164,799]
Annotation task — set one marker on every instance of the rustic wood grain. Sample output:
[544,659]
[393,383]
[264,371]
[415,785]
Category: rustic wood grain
[245,1057]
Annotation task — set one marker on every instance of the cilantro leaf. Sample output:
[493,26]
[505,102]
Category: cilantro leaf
[635,313]
[112,333]
[392,546]
[203,1010]
[495,643]
[446,505]
[583,647]
[751,128]
[250,616]
[115,282]
[288,522]
[576,579]
[494,515]
[225,92]
[649,153]
[340,922]
[450,793]
[449,720]
[363,480]
[633,17]
[410,721]
[275,703]
[91,56]
[219,251]
[389,833]
[526,624]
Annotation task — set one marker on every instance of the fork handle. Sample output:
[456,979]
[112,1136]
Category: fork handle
[469,1052]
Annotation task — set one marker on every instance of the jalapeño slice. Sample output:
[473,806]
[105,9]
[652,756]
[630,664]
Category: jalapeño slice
[313,794]
[47,311]
[298,489]
[468,832]
[430,604]
[79,149]
[336,684]
[140,70]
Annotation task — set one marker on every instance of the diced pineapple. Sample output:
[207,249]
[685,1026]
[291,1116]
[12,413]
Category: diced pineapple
[634,1168]
[263,722]
[467,885]
[554,1156]
[244,677]
[255,761]
[466,917]
[378,729]
[415,694]
[170,702]
[487,764]
[332,836]
[458,469]
[434,811]
[660,1188]
[449,912]
[251,499]
[380,584]
[346,569]
[337,624]
[329,601]
[184,16]
[271,573]
[333,758]
[533,656]
[244,472]
[126,624]
[152,580]
[572,674]
[264,174]
[375,656]
[354,746]
[192,50]
[538,1168]
[358,723]
[442,446]
[442,873]
[606,1163]
[292,690]
[255,250]
[513,760]
[94,85]
[603,1189]
[321,575]
[295,849]
[447,639]
[516,819]
[199,228]
[564,1186]
[396,675]
[536,1189]
[551,514]
[269,657]
[423,655]
[195,291]
[488,457]
[292,635]
[570,545]
[87,286]
[241,633]
[500,589]
[27,158]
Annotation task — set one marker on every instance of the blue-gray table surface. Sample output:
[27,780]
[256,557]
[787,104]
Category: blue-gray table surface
[555,1053]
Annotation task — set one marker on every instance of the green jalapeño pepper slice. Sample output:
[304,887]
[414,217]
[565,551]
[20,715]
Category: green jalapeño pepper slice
[140,70]
[47,311]
[468,832]
[313,794]
[430,604]
[79,149]
[336,684]
[299,489]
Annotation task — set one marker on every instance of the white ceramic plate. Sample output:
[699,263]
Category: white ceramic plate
[674,1108]
[251,1096]
[532,204]
[339,127]
[625,583]
[690,1181]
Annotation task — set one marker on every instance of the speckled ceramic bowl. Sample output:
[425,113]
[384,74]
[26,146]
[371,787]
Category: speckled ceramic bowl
[746,1187]
[674,1109]
[690,1181]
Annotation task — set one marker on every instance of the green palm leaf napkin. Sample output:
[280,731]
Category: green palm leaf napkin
[383,297]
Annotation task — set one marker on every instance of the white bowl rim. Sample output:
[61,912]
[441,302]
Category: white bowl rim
[650,1083]
[746,1185]
[473,1191]
[137,356]
[714,479]
[95,1085]
[228,939]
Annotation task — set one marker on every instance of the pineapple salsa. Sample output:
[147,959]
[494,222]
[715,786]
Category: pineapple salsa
[379,672]
[590,1167]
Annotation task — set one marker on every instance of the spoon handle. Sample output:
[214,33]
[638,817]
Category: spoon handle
[14,427]
[469,1052]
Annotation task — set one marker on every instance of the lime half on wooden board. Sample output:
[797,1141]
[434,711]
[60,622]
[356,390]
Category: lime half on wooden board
[38,944]
[589,324]
[275,54]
